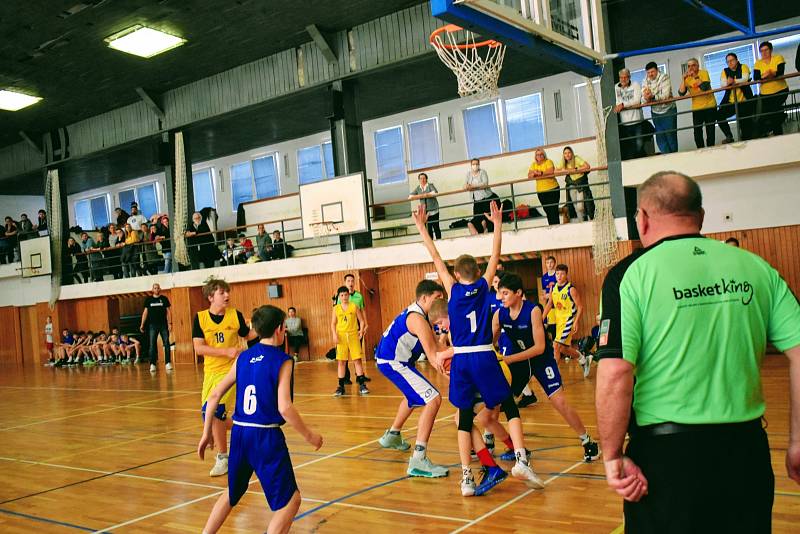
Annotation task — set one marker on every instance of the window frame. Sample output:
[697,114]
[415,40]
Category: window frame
[324,175]
[401,129]
[507,135]
[211,178]
[88,199]
[253,191]
[135,188]
[499,120]
[438,135]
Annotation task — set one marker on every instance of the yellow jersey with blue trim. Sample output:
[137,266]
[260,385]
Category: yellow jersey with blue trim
[222,335]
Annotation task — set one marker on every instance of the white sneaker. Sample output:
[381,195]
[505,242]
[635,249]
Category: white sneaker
[467,486]
[220,466]
[152,368]
[526,474]
[168,366]
[588,366]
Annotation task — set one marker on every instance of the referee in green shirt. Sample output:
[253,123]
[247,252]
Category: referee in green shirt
[684,328]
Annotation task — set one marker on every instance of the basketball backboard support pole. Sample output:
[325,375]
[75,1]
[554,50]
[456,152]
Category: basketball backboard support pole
[529,31]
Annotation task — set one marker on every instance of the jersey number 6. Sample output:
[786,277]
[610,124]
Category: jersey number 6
[250,401]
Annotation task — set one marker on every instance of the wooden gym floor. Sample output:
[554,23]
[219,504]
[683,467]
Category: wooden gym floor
[113,450]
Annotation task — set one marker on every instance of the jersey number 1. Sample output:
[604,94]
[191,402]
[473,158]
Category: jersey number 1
[473,322]
[250,401]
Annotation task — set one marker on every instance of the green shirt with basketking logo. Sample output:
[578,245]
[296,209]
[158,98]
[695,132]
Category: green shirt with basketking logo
[693,316]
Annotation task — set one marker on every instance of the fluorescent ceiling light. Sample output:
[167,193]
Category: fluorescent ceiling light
[13,101]
[144,42]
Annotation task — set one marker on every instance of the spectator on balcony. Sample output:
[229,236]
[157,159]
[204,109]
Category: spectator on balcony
[736,101]
[427,192]
[233,253]
[202,251]
[547,188]
[122,217]
[130,253]
[773,92]
[12,239]
[136,219]
[580,201]
[263,244]
[247,246]
[76,267]
[113,255]
[25,226]
[149,254]
[89,246]
[41,223]
[657,86]
[477,182]
[162,237]
[631,121]
[704,106]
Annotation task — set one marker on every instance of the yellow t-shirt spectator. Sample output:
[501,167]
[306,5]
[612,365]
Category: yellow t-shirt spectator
[736,95]
[545,167]
[698,84]
[773,86]
[132,238]
[577,163]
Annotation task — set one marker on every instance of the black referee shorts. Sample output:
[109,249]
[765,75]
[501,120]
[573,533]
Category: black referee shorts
[715,480]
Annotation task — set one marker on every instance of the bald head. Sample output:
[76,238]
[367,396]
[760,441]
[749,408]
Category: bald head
[671,193]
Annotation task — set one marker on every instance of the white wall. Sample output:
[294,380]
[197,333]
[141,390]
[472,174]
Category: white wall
[14,205]
[287,171]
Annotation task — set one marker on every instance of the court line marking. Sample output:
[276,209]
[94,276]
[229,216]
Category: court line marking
[93,412]
[45,520]
[515,499]
[217,493]
[211,486]
[361,491]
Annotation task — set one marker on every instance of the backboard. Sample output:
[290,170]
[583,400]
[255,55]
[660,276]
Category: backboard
[566,33]
[339,203]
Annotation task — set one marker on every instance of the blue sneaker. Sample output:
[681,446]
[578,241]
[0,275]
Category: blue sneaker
[492,476]
[510,456]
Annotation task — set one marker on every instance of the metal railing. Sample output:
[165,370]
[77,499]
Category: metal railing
[754,118]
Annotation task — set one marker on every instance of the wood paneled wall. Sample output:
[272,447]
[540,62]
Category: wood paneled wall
[386,291]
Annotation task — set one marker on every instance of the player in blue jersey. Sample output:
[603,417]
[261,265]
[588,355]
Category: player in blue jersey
[530,355]
[409,336]
[263,378]
[475,368]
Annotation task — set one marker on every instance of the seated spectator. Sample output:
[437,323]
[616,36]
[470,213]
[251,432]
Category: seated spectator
[76,266]
[280,249]
[477,182]
[247,246]
[426,192]
[12,240]
[739,98]
[631,121]
[136,219]
[580,201]
[162,237]
[130,253]
[547,188]
[773,92]
[294,331]
[41,224]
[25,226]
[233,252]
[656,87]
[113,254]
[122,217]
[704,106]
[263,244]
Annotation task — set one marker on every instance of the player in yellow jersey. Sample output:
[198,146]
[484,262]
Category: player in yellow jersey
[348,326]
[566,301]
[216,334]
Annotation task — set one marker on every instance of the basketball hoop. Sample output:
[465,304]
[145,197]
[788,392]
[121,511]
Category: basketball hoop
[476,64]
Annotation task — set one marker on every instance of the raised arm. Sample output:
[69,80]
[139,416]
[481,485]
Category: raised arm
[496,217]
[420,219]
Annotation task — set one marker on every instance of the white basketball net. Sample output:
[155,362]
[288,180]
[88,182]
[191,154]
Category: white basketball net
[476,64]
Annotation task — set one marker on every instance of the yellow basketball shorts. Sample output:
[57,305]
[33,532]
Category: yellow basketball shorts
[564,332]
[226,403]
[349,346]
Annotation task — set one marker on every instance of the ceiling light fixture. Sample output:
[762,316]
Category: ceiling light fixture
[14,101]
[143,41]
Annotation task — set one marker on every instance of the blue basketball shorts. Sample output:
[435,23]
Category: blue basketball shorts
[543,367]
[477,372]
[417,390]
[264,451]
